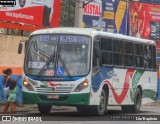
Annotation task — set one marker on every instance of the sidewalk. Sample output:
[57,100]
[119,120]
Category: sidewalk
[21,108]
[157,103]
[33,107]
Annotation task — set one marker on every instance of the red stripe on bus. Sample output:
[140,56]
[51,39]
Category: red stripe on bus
[120,97]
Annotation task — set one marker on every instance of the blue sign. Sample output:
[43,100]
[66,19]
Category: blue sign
[60,71]
[110,15]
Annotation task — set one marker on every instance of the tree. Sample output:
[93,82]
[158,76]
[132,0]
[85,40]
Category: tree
[67,13]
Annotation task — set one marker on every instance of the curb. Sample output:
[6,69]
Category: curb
[157,103]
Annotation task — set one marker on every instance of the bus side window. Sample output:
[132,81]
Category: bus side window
[96,54]
[106,50]
[118,58]
[128,54]
[154,57]
[138,55]
[148,57]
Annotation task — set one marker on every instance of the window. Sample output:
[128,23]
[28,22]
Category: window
[154,57]
[129,60]
[118,59]
[118,52]
[138,55]
[129,47]
[106,49]
[107,58]
[106,44]
[149,57]
[117,46]
[128,54]
[96,53]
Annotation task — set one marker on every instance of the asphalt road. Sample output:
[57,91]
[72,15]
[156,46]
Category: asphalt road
[68,115]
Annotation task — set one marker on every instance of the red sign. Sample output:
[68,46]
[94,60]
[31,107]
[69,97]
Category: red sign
[145,20]
[92,9]
[39,13]
[50,73]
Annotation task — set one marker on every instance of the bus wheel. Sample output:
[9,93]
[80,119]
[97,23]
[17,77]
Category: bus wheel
[137,103]
[101,108]
[45,109]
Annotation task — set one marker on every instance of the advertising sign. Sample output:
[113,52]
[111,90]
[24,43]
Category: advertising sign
[109,15]
[41,13]
[115,16]
[92,14]
[145,20]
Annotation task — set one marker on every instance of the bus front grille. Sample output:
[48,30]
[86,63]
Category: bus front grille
[54,89]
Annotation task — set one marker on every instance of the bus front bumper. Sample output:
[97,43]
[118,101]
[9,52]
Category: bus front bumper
[63,99]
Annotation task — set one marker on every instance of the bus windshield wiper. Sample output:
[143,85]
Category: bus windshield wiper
[63,63]
[52,58]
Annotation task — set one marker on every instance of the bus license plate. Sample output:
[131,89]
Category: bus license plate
[53,96]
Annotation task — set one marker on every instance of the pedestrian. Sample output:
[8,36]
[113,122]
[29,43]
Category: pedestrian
[7,73]
[10,90]
[13,94]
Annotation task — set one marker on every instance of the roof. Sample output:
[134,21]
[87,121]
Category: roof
[90,32]
[82,31]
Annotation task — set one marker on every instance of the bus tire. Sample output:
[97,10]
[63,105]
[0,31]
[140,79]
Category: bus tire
[101,108]
[137,103]
[44,109]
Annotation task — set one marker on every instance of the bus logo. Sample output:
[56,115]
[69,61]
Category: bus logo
[8,3]
[53,88]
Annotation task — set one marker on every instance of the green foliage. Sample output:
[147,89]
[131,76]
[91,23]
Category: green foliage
[67,13]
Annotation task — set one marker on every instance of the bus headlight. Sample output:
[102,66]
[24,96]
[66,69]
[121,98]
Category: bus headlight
[81,86]
[27,85]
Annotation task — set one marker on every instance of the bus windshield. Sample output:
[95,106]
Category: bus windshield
[58,55]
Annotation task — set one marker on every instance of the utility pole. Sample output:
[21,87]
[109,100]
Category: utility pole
[78,13]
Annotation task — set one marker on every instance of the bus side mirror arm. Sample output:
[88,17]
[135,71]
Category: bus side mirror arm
[20,46]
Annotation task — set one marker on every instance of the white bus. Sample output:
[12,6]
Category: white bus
[89,70]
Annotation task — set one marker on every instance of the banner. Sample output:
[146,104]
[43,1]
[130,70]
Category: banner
[106,15]
[115,16]
[41,13]
[92,14]
[148,1]
[145,20]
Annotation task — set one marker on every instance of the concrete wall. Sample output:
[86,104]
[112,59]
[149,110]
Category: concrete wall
[9,58]
[8,51]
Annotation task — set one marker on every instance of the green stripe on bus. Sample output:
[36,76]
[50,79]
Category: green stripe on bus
[137,76]
[72,99]
[147,93]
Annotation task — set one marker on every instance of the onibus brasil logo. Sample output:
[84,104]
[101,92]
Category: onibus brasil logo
[8,3]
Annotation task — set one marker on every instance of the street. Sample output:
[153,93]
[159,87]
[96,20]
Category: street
[63,113]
